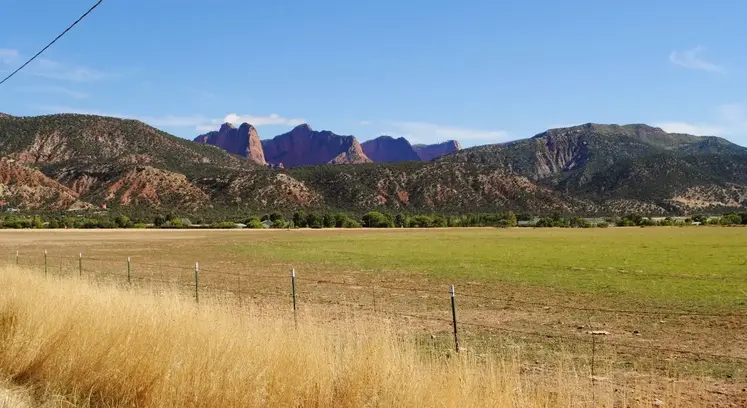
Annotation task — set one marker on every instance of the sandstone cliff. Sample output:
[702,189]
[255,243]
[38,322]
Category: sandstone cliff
[430,152]
[243,141]
[303,146]
[386,149]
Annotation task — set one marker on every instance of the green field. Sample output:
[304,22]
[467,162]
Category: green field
[703,266]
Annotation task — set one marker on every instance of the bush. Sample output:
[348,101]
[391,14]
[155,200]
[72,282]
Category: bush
[375,219]
[255,223]
[351,223]
[140,226]
[123,221]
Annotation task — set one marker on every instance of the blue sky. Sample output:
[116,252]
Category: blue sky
[477,71]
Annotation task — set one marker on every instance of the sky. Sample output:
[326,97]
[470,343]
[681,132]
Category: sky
[476,71]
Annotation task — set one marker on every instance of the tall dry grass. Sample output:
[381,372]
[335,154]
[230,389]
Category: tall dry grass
[88,345]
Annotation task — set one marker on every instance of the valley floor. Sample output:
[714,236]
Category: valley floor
[669,304]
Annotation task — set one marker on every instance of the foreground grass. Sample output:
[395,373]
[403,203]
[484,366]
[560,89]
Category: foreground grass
[72,343]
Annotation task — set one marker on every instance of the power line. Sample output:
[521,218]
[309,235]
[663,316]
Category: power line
[53,41]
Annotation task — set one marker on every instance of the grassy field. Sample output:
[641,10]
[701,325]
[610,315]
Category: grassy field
[672,300]
[66,342]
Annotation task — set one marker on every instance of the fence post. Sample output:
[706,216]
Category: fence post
[80,264]
[197,284]
[129,270]
[45,263]
[17,262]
[373,294]
[293,293]
[454,318]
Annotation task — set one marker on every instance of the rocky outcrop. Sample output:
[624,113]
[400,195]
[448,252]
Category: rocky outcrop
[243,141]
[28,188]
[386,149]
[433,151]
[303,146]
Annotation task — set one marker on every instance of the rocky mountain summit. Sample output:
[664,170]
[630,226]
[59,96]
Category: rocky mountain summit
[386,149]
[303,146]
[243,141]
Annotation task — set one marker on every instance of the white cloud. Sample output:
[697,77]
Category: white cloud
[48,68]
[256,121]
[422,132]
[690,59]
[698,129]
[56,70]
[8,56]
[57,90]
[728,120]
[272,119]
[365,123]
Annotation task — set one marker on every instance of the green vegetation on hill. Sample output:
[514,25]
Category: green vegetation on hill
[133,169]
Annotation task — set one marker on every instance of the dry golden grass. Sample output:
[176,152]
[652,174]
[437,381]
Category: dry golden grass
[68,342]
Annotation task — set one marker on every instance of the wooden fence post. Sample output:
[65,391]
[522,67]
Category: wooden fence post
[80,264]
[293,293]
[129,271]
[454,318]
[197,284]
[45,263]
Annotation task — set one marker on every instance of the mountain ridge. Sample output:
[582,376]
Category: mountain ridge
[59,162]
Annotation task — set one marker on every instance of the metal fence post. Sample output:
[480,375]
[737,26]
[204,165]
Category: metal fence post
[293,293]
[454,318]
[129,270]
[197,284]
[80,264]
[45,263]
[17,261]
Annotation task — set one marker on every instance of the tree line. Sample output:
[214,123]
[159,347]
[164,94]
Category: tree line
[373,219]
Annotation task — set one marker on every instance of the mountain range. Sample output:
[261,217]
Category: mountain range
[78,162]
[303,146]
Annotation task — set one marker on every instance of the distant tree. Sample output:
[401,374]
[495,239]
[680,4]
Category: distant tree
[299,219]
[400,220]
[438,221]
[420,221]
[159,220]
[328,221]
[375,219]
[340,220]
[700,218]
[251,220]
[578,222]
[351,223]
[254,223]
[122,221]
[276,217]
[731,219]
[509,219]
[314,221]
[37,223]
[524,217]
[53,223]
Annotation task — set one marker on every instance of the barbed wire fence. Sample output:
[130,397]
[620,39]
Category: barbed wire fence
[438,307]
